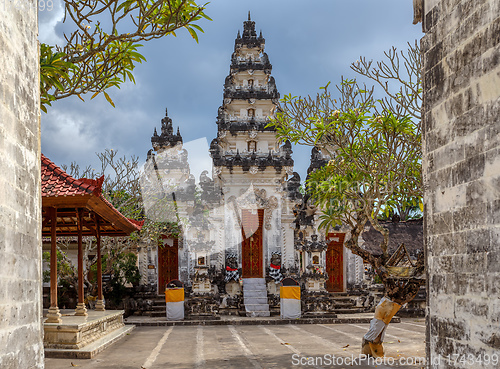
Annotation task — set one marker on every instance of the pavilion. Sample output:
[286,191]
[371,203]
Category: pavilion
[76,208]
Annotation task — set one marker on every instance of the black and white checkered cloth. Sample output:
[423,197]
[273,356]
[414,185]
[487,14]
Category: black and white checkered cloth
[231,275]
[275,273]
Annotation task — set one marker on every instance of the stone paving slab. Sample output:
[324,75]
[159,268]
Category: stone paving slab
[145,321]
[256,346]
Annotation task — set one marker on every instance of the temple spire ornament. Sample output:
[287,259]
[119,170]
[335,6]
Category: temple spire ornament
[167,138]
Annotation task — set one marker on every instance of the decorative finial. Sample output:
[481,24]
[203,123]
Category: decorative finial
[260,36]
[155,133]
[249,15]
[239,35]
[178,132]
[166,112]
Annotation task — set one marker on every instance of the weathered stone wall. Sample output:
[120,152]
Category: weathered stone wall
[461,54]
[20,245]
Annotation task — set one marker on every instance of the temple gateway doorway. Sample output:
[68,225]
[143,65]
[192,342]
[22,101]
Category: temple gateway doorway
[335,262]
[168,262]
[251,245]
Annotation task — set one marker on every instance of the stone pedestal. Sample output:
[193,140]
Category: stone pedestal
[315,284]
[202,286]
[233,288]
[100,306]
[75,332]
[81,310]
[53,316]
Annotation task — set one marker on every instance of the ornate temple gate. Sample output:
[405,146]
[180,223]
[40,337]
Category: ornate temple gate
[168,263]
[335,262]
[251,248]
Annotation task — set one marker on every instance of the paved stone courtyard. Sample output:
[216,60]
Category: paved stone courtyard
[253,346]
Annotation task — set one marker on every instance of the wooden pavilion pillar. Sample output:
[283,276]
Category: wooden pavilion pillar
[99,305]
[81,310]
[53,315]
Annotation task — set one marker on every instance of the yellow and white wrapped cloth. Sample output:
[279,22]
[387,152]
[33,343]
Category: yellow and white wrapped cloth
[174,297]
[290,302]
[373,339]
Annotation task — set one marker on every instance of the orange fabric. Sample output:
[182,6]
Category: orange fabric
[174,295]
[290,292]
[386,310]
[377,349]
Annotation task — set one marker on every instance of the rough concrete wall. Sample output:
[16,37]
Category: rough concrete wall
[21,343]
[462,178]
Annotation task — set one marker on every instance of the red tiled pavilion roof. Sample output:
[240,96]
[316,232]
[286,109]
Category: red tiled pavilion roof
[67,194]
[56,182]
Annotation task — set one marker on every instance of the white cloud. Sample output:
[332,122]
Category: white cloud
[48,20]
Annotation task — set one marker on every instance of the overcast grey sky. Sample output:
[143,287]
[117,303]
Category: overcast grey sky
[308,42]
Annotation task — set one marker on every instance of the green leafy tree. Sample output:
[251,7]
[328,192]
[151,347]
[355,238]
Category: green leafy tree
[374,146]
[67,277]
[102,51]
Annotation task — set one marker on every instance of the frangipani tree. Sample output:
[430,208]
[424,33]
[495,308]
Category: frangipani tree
[375,161]
[102,50]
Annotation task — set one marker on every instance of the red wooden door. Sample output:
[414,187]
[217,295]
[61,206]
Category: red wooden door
[251,247]
[168,264]
[335,262]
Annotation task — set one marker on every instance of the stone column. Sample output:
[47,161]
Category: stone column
[81,310]
[99,305]
[53,315]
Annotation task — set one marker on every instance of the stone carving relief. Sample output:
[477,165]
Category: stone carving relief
[254,200]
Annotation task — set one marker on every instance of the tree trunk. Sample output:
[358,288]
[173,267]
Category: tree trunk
[397,293]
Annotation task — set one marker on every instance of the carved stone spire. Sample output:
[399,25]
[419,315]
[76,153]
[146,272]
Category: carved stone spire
[250,99]
[167,137]
[249,36]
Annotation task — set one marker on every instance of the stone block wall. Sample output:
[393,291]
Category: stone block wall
[461,159]
[21,343]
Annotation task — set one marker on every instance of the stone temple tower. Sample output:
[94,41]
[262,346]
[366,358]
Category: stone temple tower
[251,168]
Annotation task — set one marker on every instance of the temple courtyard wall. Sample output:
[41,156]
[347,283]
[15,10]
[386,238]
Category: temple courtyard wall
[461,159]
[21,343]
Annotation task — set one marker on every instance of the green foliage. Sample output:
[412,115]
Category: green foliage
[96,58]
[373,146]
[375,160]
[67,277]
[53,69]
[121,265]
[65,269]
[125,268]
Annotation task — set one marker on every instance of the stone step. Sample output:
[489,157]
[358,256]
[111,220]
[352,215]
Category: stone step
[158,313]
[254,300]
[252,286]
[262,290]
[254,293]
[254,281]
[348,311]
[258,313]
[256,307]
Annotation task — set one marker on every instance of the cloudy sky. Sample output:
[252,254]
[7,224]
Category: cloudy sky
[309,43]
